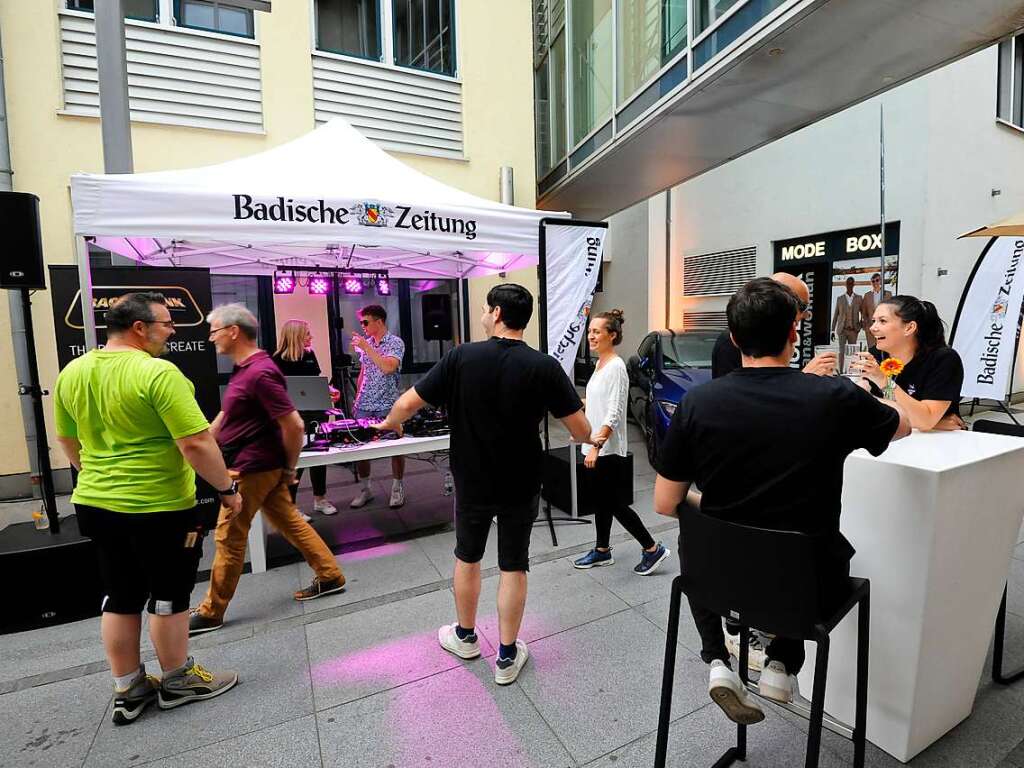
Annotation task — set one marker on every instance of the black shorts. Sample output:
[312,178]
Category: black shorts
[147,560]
[515,524]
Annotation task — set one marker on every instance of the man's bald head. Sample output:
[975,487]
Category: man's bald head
[795,284]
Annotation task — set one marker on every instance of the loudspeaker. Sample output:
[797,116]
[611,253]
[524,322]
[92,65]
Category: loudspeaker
[57,576]
[556,478]
[23,247]
[437,316]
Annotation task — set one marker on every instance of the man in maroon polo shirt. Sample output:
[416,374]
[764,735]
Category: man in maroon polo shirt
[260,434]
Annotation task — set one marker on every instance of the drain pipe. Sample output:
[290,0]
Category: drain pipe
[15,304]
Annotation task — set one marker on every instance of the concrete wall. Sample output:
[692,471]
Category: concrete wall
[495,66]
[625,274]
[944,155]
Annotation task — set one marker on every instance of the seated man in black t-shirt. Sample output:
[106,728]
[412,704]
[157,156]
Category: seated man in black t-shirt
[766,445]
[496,392]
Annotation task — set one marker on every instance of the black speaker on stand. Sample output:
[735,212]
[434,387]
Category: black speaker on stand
[53,598]
[23,271]
[436,310]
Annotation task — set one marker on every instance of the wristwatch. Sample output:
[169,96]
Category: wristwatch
[231,489]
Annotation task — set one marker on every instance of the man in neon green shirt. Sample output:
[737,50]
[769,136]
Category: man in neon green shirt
[130,425]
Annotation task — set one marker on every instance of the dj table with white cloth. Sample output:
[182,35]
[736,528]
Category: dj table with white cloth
[375,449]
[934,521]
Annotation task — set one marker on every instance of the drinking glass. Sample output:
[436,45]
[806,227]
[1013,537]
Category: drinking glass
[823,348]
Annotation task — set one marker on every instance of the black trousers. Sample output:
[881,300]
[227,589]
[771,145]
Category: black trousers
[612,501]
[318,478]
[790,651]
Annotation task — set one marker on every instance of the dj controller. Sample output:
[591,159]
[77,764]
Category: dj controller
[429,422]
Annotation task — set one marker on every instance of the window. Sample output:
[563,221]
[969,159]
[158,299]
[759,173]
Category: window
[542,99]
[558,99]
[1010,104]
[351,27]
[424,35]
[591,65]
[709,11]
[214,16]
[141,10]
[650,32]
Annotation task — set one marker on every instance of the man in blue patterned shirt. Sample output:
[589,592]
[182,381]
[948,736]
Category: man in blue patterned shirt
[380,357]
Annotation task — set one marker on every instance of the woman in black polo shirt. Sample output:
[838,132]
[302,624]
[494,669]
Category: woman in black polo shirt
[295,357]
[928,388]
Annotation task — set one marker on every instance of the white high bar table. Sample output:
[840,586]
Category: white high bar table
[934,521]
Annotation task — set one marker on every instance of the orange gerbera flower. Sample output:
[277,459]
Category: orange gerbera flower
[891,367]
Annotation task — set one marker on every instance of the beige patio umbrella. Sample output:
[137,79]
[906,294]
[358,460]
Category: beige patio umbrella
[1011,227]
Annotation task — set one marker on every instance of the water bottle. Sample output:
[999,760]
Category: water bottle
[42,522]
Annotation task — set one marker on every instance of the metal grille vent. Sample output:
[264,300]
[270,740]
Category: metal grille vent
[705,321]
[719,273]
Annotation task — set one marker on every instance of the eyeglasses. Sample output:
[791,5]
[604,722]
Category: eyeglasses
[364,323]
[165,323]
[218,330]
[803,306]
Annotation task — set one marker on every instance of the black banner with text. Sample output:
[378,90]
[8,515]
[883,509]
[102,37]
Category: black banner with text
[189,300]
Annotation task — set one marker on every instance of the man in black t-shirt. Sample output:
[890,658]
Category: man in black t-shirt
[496,392]
[725,357]
[766,445]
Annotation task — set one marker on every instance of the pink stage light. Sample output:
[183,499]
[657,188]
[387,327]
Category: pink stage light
[383,286]
[284,283]
[318,285]
[353,286]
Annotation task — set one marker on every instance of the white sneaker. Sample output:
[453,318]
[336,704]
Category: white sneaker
[755,651]
[777,684]
[397,495]
[450,641]
[727,691]
[365,496]
[508,674]
[324,507]
[304,516]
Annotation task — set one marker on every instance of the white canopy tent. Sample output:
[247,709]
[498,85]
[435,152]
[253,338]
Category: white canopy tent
[329,199]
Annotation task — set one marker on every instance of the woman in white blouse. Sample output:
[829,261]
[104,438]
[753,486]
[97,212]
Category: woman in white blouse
[607,391]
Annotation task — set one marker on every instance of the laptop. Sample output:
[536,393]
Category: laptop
[309,393]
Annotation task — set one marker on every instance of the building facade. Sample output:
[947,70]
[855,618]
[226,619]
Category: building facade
[954,150]
[446,85]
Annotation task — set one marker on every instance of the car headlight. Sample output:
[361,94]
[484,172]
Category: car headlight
[668,407]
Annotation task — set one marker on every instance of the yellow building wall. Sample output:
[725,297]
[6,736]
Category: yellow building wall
[495,66]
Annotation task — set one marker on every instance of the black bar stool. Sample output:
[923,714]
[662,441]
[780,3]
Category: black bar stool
[774,581]
[1013,430]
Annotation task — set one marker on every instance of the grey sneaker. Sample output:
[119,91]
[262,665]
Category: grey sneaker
[128,704]
[193,683]
[506,671]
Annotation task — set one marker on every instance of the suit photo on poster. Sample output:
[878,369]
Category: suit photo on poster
[856,292]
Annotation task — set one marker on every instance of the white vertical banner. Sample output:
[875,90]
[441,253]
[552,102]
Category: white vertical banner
[572,262]
[987,322]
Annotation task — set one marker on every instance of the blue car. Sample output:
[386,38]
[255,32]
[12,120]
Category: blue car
[667,365]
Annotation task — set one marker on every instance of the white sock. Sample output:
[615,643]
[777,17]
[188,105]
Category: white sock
[397,484]
[366,483]
[124,682]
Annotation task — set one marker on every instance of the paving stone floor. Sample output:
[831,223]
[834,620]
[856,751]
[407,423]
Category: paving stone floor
[357,680]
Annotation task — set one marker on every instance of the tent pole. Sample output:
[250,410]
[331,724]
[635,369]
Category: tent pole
[85,292]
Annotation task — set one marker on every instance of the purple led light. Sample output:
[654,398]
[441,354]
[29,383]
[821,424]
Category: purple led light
[318,285]
[383,286]
[353,286]
[284,283]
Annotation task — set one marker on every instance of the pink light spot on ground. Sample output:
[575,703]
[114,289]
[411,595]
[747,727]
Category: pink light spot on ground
[374,553]
[392,663]
[435,723]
